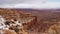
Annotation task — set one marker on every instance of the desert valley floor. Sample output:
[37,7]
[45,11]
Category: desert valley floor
[45,21]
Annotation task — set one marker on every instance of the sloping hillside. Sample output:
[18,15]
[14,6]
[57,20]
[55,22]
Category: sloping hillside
[45,19]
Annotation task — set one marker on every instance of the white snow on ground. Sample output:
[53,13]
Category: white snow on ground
[1,32]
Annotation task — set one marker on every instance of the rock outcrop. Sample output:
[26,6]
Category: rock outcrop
[27,19]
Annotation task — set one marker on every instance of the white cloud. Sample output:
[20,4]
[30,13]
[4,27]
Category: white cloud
[46,5]
[34,4]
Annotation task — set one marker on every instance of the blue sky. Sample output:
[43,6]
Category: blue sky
[38,4]
[53,0]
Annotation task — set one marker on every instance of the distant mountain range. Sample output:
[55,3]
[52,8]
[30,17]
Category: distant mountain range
[29,9]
